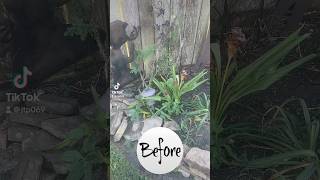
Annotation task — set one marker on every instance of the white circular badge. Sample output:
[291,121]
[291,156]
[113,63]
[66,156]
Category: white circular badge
[160,150]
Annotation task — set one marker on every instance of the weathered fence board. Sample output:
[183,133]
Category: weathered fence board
[158,18]
[147,30]
[161,13]
[178,13]
[203,29]
[193,9]
[132,16]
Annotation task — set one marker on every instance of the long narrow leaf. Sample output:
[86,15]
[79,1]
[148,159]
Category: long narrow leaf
[280,159]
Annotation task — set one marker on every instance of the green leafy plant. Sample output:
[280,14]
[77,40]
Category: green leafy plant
[190,127]
[229,85]
[198,107]
[141,57]
[140,109]
[172,90]
[84,147]
[294,142]
[196,114]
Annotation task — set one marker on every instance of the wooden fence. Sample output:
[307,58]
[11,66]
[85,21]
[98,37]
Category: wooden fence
[157,18]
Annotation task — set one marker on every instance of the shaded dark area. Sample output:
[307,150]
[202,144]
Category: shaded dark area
[39,42]
[43,56]
[263,28]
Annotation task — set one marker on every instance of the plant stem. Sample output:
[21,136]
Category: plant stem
[221,92]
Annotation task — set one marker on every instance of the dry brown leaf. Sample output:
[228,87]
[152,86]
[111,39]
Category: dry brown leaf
[234,40]
[184,75]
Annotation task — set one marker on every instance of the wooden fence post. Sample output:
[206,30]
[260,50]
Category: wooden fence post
[157,18]
[147,31]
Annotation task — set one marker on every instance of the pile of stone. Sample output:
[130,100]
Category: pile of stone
[26,139]
[196,162]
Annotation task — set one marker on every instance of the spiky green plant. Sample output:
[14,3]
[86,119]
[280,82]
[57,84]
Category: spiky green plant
[294,142]
[172,90]
[228,86]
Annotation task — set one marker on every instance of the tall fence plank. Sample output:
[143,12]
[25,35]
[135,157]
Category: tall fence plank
[177,19]
[193,9]
[147,30]
[202,30]
[158,19]
[132,16]
[161,13]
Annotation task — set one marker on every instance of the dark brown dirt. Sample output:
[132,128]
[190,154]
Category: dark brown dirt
[303,82]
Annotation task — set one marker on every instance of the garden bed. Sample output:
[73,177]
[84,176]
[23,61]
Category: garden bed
[303,82]
[131,116]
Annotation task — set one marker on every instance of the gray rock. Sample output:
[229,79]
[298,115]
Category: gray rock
[58,164]
[184,171]
[136,126]
[198,175]
[32,119]
[151,123]
[134,133]
[171,125]
[57,105]
[132,136]
[148,92]
[60,127]
[120,104]
[197,178]
[18,132]
[186,149]
[42,141]
[123,126]
[29,167]
[199,162]
[115,122]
